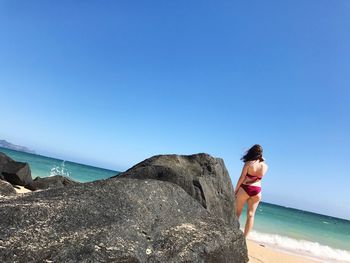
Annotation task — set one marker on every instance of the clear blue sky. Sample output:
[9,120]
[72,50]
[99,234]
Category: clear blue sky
[111,83]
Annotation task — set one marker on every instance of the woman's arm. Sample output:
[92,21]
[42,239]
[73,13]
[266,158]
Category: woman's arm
[241,178]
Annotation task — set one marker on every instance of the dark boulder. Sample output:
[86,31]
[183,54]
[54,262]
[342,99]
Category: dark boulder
[56,181]
[4,159]
[121,220]
[203,177]
[6,188]
[17,173]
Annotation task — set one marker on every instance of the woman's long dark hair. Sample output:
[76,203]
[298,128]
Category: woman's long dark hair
[253,154]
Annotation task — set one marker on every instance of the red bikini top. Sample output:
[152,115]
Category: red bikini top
[253,176]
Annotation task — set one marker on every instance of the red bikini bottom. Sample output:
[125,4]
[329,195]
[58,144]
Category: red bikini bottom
[251,190]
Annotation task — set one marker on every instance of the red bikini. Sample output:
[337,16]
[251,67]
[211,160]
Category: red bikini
[252,190]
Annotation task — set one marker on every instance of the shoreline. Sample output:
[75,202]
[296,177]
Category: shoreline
[262,253]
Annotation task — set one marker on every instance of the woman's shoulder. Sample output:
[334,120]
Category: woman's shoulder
[265,165]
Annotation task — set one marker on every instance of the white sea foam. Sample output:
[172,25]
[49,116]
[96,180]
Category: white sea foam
[59,170]
[308,248]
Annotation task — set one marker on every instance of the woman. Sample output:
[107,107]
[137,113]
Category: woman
[248,188]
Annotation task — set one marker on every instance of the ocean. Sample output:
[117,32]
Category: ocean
[43,166]
[322,237]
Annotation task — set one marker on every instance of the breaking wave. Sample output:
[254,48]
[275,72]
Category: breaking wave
[59,170]
[308,248]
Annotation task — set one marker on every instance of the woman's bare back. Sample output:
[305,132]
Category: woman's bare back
[256,168]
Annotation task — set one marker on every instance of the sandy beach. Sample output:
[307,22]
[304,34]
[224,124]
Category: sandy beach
[21,190]
[259,253]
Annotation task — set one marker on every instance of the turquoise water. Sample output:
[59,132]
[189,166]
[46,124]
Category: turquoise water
[323,236]
[45,166]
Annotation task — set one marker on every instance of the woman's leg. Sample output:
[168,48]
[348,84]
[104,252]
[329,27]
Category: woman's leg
[241,198]
[253,203]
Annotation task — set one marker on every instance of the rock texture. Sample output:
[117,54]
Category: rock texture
[56,181]
[16,173]
[6,188]
[115,220]
[203,177]
[4,159]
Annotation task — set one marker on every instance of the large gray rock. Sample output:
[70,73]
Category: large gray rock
[16,173]
[112,220]
[56,181]
[6,188]
[4,159]
[203,177]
